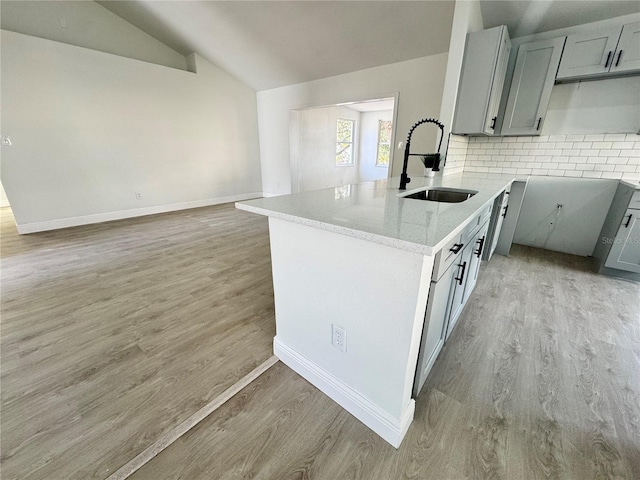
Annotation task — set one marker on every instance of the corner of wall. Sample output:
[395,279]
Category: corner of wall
[456,154]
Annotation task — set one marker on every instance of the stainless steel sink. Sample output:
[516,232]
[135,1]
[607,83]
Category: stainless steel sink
[441,194]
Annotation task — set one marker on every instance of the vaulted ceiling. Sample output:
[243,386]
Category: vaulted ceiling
[269,44]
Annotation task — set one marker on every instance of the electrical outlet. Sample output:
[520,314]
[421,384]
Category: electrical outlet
[138,196]
[339,337]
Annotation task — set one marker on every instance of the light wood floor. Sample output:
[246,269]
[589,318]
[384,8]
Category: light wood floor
[115,333]
[541,379]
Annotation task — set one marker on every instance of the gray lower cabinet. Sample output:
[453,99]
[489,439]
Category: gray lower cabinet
[458,285]
[625,251]
[531,85]
[448,295]
[435,325]
[500,208]
[477,248]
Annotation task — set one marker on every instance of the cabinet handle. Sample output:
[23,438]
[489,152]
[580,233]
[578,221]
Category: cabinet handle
[456,247]
[539,122]
[480,247]
[606,64]
[464,267]
[618,60]
[504,214]
[493,123]
[626,225]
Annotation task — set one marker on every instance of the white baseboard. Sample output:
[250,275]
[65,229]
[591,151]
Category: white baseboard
[135,212]
[267,194]
[390,429]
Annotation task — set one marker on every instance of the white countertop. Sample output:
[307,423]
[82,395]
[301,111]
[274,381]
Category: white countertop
[373,211]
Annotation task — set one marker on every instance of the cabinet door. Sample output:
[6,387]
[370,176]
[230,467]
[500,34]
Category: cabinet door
[458,284]
[495,226]
[497,85]
[438,307]
[627,55]
[530,91]
[625,252]
[477,247]
[481,79]
[588,53]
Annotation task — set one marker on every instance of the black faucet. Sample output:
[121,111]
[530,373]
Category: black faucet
[430,160]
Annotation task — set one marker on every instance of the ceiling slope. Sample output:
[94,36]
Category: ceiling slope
[269,44]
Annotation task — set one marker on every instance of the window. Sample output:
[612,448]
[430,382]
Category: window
[384,143]
[344,141]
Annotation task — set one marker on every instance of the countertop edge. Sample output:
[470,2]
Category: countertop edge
[350,232]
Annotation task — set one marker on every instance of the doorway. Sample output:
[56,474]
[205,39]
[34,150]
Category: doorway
[344,143]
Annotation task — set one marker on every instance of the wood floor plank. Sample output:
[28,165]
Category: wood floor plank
[113,334]
[528,387]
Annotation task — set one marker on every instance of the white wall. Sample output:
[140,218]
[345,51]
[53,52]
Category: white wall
[597,106]
[369,145]
[317,148]
[86,24]
[89,129]
[467,17]
[419,83]
[4,201]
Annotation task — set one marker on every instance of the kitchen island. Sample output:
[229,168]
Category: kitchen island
[352,272]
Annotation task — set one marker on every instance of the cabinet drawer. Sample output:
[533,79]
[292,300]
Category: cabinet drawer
[446,256]
[474,225]
[635,200]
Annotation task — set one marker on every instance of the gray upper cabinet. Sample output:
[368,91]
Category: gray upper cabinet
[627,58]
[531,85]
[601,53]
[483,70]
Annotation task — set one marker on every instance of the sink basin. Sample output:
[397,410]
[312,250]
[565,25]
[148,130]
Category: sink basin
[441,194]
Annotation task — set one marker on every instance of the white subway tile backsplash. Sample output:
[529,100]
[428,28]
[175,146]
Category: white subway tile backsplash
[587,156]
[575,138]
[566,166]
[557,138]
[631,153]
[616,160]
[614,137]
[612,175]
[586,166]
[594,138]
[623,145]
[570,153]
[588,152]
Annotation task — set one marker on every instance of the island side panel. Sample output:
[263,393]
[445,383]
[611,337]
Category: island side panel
[377,293]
